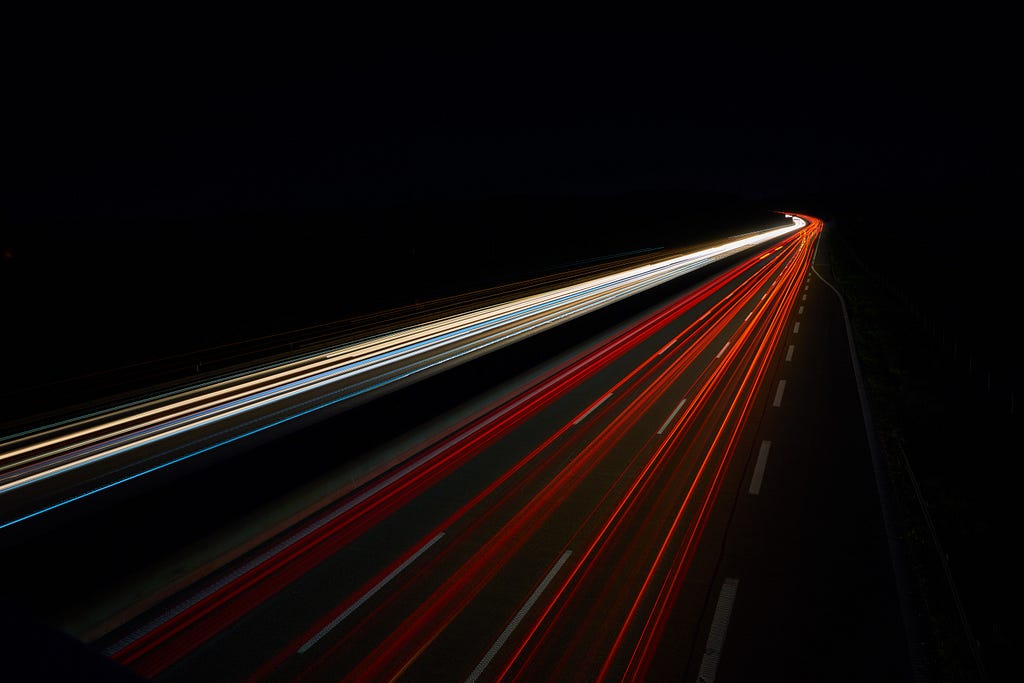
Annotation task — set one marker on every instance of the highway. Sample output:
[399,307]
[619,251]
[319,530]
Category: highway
[617,514]
[55,465]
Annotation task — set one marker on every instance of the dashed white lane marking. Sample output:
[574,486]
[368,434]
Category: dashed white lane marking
[789,353]
[778,393]
[670,417]
[723,350]
[368,594]
[762,460]
[592,408]
[800,311]
[517,618]
[796,328]
[719,625]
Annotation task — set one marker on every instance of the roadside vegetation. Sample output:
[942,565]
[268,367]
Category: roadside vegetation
[943,416]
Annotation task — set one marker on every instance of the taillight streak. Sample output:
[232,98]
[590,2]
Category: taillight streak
[171,640]
[176,636]
[444,604]
[757,353]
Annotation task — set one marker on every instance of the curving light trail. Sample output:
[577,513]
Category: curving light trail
[52,466]
[606,511]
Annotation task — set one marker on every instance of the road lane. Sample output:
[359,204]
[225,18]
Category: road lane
[54,466]
[816,597]
[594,456]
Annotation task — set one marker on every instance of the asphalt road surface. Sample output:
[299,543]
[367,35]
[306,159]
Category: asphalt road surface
[690,494]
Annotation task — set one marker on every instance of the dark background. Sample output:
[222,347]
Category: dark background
[176,179]
[173,181]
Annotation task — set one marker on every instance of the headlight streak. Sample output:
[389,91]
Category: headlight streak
[33,457]
[160,647]
[240,407]
[664,565]
[152,650]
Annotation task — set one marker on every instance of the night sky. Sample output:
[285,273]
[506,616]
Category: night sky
[143,124]
[171,173]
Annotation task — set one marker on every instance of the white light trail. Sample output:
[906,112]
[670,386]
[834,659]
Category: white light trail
[190,419]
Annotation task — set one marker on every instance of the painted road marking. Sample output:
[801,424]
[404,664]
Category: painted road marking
[723,350]
[593,407]
[789,353]
[796,328]
[517,618]
[778,393]
[369,594]
[670,417]
[719,625]
[801,311]
[762,460]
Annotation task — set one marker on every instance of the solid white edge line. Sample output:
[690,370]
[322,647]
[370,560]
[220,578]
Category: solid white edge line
[912,627]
